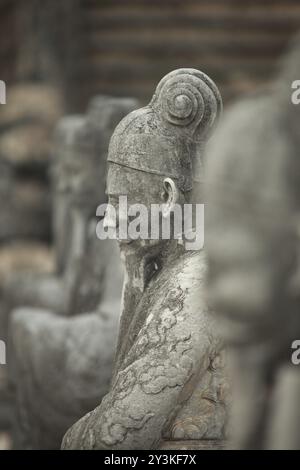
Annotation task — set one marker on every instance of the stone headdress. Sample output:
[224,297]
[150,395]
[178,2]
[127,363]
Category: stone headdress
[166,137]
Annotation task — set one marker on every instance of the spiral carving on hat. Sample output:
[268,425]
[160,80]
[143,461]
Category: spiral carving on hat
[190,99]
[182,105]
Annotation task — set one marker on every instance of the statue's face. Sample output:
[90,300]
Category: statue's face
[139,188]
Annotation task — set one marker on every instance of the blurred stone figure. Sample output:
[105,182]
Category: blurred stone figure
[79,170]
[252,241]
[26,125]
[48,290]
[62,366]
[168,381]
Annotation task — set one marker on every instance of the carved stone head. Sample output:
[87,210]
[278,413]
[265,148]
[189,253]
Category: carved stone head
[155,153]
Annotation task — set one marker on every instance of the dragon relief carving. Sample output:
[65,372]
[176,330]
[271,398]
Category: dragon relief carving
[166,363]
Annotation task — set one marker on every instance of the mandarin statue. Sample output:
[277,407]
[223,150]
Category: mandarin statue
[168,382]
[62,363]
[252,241]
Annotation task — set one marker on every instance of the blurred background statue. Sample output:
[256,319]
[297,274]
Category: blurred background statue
[79,169]
[252,241]
[60,366]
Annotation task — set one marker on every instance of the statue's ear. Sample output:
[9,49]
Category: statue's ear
[171,196]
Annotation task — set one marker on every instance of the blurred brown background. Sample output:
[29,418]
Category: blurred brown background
[124,47]
[55,55]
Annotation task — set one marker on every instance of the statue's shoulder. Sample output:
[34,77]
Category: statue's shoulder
[188,273]
[179,289]
[192,267]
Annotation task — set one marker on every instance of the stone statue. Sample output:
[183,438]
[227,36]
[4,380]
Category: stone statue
[79,169]
[48,290]
[252,242]
[168,381]
[61,366]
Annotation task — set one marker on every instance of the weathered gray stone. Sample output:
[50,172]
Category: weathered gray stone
[168,380]
[253,177]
